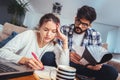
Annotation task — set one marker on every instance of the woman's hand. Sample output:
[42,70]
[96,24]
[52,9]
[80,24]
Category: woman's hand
[31,62]
[62,37]
[96,67]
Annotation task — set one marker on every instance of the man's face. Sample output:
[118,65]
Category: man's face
[81,25]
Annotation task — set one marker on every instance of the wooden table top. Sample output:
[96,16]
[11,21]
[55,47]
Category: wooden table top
[30,77]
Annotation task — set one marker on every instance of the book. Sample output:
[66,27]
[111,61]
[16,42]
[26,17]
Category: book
[93,54]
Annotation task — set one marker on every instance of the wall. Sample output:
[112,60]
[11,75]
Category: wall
[117,48]
[112,40]
[110,34]
[103,29]
[32,19]
[117,39]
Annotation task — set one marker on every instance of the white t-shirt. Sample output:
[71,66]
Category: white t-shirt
[77,39]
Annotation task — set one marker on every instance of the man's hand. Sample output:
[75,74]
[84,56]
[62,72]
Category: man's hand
[74,57]
[31,62]
[96,67]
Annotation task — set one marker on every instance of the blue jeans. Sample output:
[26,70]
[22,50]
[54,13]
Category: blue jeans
[48,59]
[107,72]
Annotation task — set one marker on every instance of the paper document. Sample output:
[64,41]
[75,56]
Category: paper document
[49,73]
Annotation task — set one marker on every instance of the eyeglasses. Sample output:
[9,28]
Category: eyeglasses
[78,22]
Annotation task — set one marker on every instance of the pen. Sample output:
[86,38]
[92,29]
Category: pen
[34,55]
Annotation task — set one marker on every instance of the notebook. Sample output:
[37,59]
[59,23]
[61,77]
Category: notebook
[11,70]
[49,73]
[93,54]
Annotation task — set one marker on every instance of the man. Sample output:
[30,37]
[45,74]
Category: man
[81,34]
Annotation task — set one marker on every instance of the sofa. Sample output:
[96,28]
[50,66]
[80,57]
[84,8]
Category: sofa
[9,28]
[115,63]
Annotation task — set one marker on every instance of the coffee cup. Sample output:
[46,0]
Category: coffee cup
[65,72]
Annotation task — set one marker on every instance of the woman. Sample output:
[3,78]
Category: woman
[41,43]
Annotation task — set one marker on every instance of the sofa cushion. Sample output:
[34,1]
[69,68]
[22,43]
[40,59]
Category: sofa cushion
[9,28]
[3,36]
[3,42]
[115,63]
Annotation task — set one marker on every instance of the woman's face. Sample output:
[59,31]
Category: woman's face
[48,31]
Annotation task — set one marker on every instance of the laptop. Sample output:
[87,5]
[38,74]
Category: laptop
[11,70]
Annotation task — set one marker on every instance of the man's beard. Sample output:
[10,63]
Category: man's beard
[78,30]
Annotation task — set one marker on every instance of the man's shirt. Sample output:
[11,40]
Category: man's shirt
[91,36]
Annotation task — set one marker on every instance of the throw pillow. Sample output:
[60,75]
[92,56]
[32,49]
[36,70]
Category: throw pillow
[3,42]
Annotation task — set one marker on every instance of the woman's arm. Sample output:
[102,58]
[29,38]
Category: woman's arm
[13,46]
[9,51]
[62,55]
[63,38]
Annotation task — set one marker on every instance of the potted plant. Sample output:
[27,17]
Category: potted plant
[18,10]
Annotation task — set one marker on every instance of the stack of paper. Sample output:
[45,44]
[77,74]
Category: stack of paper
[49,73]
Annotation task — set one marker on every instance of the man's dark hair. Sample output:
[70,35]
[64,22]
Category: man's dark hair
[86,12]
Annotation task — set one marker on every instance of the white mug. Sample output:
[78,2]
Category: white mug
[65,72]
